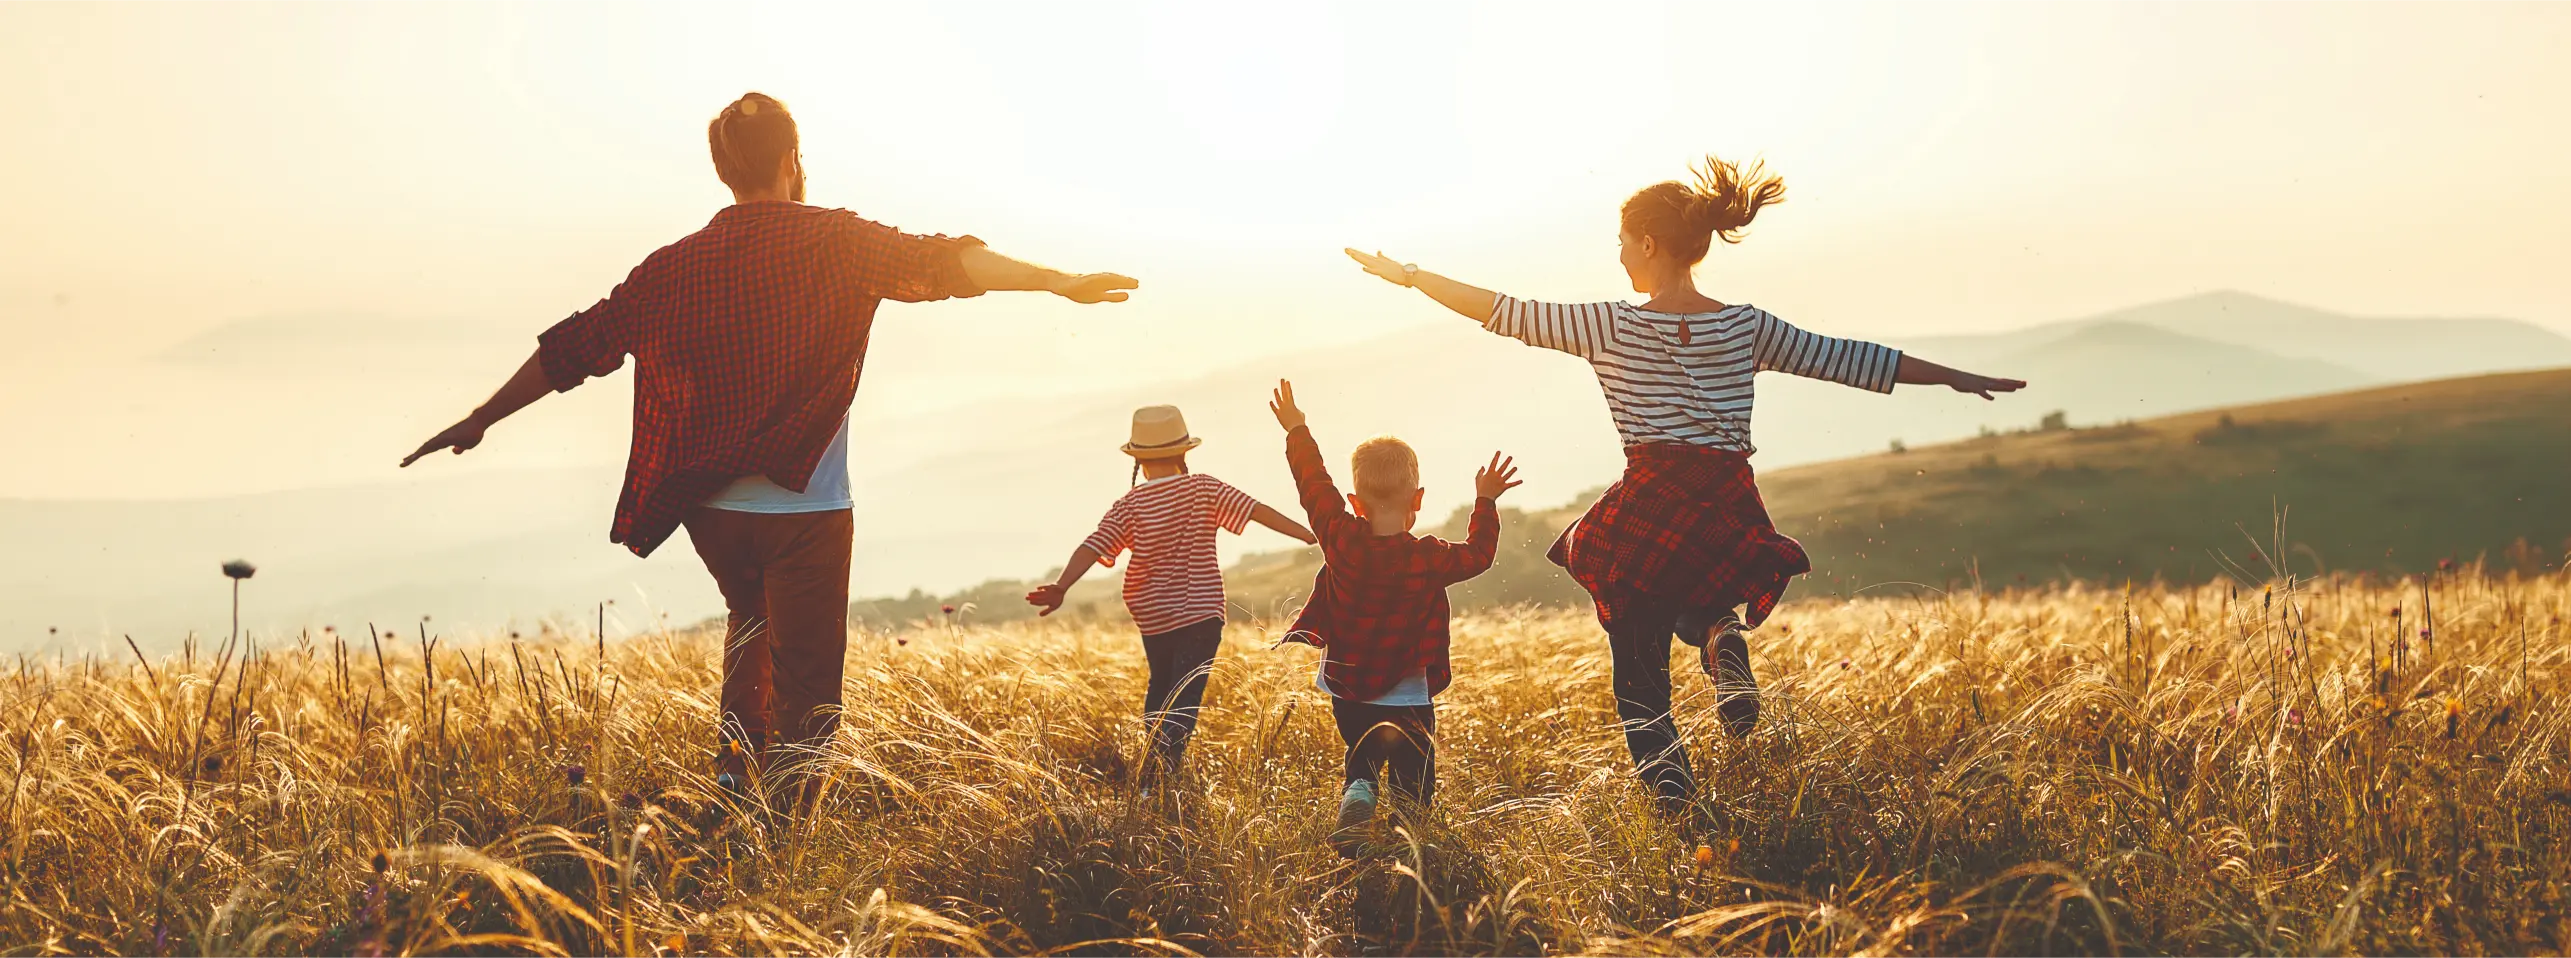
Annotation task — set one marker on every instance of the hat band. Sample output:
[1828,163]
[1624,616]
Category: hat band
[1182,440]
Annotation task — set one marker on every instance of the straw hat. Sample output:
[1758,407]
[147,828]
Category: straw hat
[1159,433]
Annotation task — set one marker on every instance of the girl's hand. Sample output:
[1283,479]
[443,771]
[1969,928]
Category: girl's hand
[1984,386]
[1381,265]
[1047,597]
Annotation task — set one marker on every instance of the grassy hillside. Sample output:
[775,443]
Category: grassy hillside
[2389,480]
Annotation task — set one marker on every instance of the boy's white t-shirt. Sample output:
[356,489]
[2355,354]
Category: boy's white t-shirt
[828,489]
[1411,690]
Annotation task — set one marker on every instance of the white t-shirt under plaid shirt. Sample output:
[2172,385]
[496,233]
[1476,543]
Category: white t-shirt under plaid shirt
[1175,580]
[1686,378]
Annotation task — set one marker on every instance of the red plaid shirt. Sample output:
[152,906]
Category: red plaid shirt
[1379,605]
[1684,525]
[748,337]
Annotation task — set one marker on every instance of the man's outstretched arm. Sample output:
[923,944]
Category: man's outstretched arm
[990,270]
[526,386]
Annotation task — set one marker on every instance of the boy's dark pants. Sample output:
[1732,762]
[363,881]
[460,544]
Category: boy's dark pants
[784,576]
[1180,658]
[1640,647]
[1399,739]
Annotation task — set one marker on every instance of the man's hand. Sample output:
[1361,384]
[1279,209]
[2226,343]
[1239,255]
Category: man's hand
[465,434]
[1281,403]
[1380,265]
[1984,386]
[1094,287]
[1498,477]
[1047,597]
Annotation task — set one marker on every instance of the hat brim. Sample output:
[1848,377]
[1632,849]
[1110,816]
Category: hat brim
[1162,452]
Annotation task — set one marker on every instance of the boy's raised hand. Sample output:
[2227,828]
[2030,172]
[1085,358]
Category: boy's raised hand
[1281,403]
[1498,477]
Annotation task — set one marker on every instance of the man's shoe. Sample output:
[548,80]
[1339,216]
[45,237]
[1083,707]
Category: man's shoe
[1726,658]
[1356,808]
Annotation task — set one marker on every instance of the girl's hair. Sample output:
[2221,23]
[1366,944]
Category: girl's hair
[1685,219]
[749,138]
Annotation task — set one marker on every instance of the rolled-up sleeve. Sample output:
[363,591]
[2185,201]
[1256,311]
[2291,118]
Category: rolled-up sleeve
[887,263]
[1581,329]
[594,341]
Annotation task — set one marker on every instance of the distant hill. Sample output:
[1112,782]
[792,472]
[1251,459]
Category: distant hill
[2392,480]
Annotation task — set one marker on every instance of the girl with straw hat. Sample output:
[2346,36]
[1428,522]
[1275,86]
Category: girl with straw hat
[1174,587]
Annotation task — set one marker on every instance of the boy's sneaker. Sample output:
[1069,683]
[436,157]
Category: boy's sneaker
[1736,692]
[1356,808]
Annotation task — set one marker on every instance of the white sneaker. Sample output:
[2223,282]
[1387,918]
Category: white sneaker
[1356,808]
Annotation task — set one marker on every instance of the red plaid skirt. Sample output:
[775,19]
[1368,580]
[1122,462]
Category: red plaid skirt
[1684,525]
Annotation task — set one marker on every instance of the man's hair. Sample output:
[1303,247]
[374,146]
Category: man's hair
[1385,470]
[748,138]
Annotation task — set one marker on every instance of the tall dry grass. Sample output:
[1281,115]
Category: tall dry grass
[2294,769]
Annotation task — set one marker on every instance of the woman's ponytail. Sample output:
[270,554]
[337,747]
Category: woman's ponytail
[1685,218]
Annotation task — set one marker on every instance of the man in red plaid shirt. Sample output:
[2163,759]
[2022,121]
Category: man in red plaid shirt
[1378,608]
[748,337]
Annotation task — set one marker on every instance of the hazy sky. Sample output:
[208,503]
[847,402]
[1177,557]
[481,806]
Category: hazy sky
[171,169]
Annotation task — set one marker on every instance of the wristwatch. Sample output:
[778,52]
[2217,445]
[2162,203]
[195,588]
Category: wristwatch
[1410,274]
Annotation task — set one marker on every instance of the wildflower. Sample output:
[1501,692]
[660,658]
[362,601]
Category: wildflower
[1843,663]
[2289,651]
[902,641]
[630,800]
[239,569]
[947,609]
[2445,565]
[2294,717]
[576,775]
[2395,612]
[2423,633]
[1704,856]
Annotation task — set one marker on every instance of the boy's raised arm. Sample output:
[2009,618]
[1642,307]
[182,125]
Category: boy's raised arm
[1312,483]
[1463,560]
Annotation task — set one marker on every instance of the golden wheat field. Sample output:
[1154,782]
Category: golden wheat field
[2293,768]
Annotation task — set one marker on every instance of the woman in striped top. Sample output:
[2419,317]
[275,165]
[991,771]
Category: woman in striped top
[1681,544]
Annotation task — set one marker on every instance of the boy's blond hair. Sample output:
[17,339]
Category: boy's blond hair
[1384,470]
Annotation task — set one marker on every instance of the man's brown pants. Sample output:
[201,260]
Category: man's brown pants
[784,577]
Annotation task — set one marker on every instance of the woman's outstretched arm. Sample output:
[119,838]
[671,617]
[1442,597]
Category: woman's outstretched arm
[1921,372]
[1471,302]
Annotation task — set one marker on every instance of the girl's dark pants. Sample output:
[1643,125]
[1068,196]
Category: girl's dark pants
[1406,751]
[1180,660]
[1640,646]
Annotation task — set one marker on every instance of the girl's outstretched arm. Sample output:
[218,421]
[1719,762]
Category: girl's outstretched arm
[1921,372]
[1291,529]
[1050,595]
[1471,302]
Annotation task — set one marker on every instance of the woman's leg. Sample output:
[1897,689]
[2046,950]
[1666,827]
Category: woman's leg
[1640,648]
[1181,661]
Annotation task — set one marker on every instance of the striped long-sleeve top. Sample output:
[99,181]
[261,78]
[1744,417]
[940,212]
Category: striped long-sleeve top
[1686,378]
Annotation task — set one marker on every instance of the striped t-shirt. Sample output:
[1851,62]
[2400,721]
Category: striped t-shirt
[1686,378]
[1175,580]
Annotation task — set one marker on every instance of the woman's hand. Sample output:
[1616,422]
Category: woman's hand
[1381,265]
[1983,386]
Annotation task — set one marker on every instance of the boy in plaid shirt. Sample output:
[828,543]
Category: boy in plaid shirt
[1378,609]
